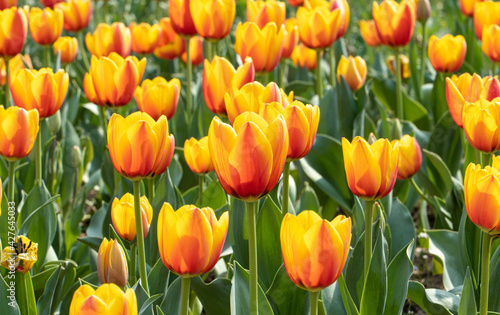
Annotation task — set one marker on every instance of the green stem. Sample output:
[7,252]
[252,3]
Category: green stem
[151,189]
[399,95]
[189,75]
[493,68]
[368,236]
[38,154]
[208,53]
[477,156]
[314,302]
[133,264]
[282,73]
[485,159]
[286,179]
[12,178]
[140,236]
[252,247]
[47,56]
[185,284]
[104,120]
[200,188]
[25,296]
[214,49]
[82,50]
[422,62]
[6,87]
[158,10]
[485,273]
[331,53]
[105,11]
[319,86]
[420,192]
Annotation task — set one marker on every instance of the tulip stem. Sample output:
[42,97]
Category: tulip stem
[12,173]
[25,296]
[331,53]
[422,62]
[314,302]
[319,86]
[81,48]
[485,273]
[286,179]
[151,189]
[200,189]
[47,56]
[140,236]
[252,247]
[493,68]
[38,154]
[368,236]
[158,10]
[189,78]
[420,192]
[133,264]
[485,159]
[399,95]
[6,86]
[185,286]
[282,73]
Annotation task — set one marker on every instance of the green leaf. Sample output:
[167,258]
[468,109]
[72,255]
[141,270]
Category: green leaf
[398,273]
[439,103]
[433,301]
[401,226]
[346,109]
[171,304]
[238,231]
[44,304]
[439,247]
[213,196]
[40,279]
[351,308]
[329,114]
[214,296]
[25,296]
[92,242]
[308,200]
[285,297]
[148,303]
[158,278]
[332,299]
[439,174]
[7,295]
[467,300]
[494,298]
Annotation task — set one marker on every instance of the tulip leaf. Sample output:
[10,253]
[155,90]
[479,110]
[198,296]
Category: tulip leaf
[158,278]
[433,301]
[439,247]
[44,304]
[213,196]
[353,271]
[494,298]
[439,102]
[214,296]
[329,114]
[332,299]
[470,246]
[398,273]
[92,242]
[171,304]
[25,296]
[351,308]
[347,110]
[40,279]
[142,297]
[148,303]
[308,200]
[238,231]
[401,226]
[285,297]
[467,299]
[7,295]
[439,173]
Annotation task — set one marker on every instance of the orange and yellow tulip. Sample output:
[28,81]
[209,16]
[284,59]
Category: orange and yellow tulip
[22,257]
[139,129]
[190,239]
[405,65]
[262,12]
[107,299]
[468,88]
[158,97]
[18,130]
[5,4]
[41,89]
[371,169]
[447,54]
[482,188]
[170,45]
[50,3]
[353,70]
[123,216]
[112,80]
[248,159]
[345,14]
[15,63]
[410,156]
[264,45]
[45,25]
[369,33]
[394,22]
[485,13]
[314,250]
[482,124]
[213,19]
[145,37]
[77,14]
[467,6]
[197,155]
[182,21]
[318,26]
[490,43]
[13,31]
[68,46]
[295,3]
[111,263]
[195,51]
[304,57]
[290,38]
[109,38]
[218,79]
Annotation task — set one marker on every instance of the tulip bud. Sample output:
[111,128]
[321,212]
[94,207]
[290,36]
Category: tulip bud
[303,56]
[447,54]
[123,216]
[197,155]
[76,157]
[353,70]
[111,263]
[482,124]
[54,123]
[410,156]
[423,11]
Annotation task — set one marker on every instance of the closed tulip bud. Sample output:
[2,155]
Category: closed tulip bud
[468,88]
[123,216]
[290,39]
[410,156]
[45,25]
[50,3]
[447,54]
[345,13]
[248,159]
[304,57]
[485,13]
[490,43]
[423,10]
[197,155]
[107,298]
[295,3]
[394,22]
[314,250]
[262,12]
[18,130]
[68,46]
[213,19]
[190,239]
[182,21]
[111,263]
[41,89]
[195,51]
[157,146]
[145,37]
[158,97]
[112,80]
[482,124]
[13,31]
[405,65]
[318,26]
[15,63]
[109,38]
[170,45]
[353,70]
[467,6]
[77,14]
[371,169]
[369,33]
[5,4]
[21,256]
[482,188]
[264,45]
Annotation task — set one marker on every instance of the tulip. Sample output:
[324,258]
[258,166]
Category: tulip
[369,33]
[262,12]
[5,4]
[248,159]
[213,19]
[145,37]
[490,46]
[467,6]
[182,21]
[196,51]
[405,66]
[218,79]
[190,239]
[447,54]
[158,97]
[50,3]
[113,80]
[394,22]
[111,263]
[109,38]
[314,250]
[410,156]
[471,89]
[264,45]
[197,155]
[77,14]
[296,3]
[107,299]
[304,57]
[343,6]
[123,216]
[15,63]
[485,13]
[353,70]
[68,46]
[13,31]
[139,130]
[423,12]
[318,26]
[21,256]
[45,25]
[170,45]
[18,130]
[482,124]
[290,38]
[41,89]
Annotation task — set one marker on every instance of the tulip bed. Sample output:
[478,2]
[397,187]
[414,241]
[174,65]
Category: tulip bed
[249,157]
